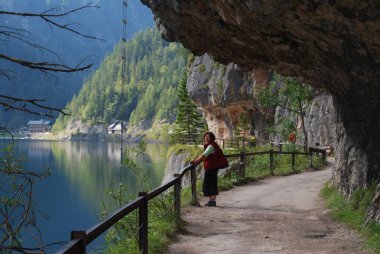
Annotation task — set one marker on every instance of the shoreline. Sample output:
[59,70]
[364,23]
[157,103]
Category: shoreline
[79,137]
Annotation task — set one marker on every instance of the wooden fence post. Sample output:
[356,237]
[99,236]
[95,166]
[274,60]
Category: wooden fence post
[177,195]
[193,178]
[324,157]
[80,235]
[293,160]
[143,225]
[310,159]
[271,162]
[242,164]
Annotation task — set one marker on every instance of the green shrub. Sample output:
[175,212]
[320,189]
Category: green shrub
[352,212]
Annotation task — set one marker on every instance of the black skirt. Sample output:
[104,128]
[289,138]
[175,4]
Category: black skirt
[210,183]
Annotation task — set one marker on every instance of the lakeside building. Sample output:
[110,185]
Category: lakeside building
[115,128]
[39,126]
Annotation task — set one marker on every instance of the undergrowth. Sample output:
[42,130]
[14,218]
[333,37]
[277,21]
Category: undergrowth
[352,211]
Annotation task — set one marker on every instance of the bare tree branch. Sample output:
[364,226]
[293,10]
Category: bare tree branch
[8,103]
[47,17]
[45,66]
[7,73]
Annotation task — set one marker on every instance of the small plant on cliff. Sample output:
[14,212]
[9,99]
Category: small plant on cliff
[189,123]
[289,94]
[202,68]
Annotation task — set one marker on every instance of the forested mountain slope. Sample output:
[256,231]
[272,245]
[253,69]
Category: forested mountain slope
[69,48]
[153,71]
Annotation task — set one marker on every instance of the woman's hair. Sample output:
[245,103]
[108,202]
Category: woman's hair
[212,136]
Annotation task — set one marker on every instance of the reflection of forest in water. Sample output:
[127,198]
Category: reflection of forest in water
[82,174]
[94,167]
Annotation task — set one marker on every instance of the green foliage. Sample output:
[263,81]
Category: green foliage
[257,166]
[241,133]
[152,67]
[202,68]
[284,127]
[194,151]
[352,211]
[290,94]
[162,223]
[189,123]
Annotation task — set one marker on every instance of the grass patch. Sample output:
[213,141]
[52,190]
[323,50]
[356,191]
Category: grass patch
[162,226]
[194,151]
[352,212]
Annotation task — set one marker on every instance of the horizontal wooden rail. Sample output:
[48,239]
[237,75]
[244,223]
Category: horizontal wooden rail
[157,191]
[101,227]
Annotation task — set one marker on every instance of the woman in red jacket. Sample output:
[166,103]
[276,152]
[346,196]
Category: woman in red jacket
[213,160]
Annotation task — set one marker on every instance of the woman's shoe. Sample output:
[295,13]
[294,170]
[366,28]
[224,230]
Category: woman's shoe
[210,203]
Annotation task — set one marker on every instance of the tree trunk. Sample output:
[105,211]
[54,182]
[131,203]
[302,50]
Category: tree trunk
[306,141]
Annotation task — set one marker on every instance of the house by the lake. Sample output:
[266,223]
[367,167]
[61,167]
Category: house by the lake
[39,126]
[115,128]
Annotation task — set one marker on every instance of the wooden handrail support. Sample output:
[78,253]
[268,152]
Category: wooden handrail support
[321,151]
[143,224]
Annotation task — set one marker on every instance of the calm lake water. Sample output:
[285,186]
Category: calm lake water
[81,175]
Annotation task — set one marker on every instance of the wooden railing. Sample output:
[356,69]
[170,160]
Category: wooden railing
[80,239]
[271,152]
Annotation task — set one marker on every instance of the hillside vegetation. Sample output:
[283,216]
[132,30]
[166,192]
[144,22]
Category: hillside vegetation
[41,42]
[153,72]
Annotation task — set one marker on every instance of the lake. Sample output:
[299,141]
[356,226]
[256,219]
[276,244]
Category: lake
[81,174]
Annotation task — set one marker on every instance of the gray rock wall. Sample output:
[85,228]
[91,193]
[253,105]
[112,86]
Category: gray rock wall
[225,92]
[320,121]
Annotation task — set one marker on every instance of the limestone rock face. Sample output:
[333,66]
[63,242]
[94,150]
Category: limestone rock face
[320,120]
[329,44]
[225,92]
[175,164]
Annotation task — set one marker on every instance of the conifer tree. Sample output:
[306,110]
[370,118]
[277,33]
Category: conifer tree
[189,123]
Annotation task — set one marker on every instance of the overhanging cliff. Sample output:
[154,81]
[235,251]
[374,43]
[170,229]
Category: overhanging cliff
[333,45]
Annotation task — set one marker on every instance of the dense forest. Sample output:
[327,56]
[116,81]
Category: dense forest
[153,72]
[58,45]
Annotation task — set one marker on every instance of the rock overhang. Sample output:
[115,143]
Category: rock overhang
[329,44]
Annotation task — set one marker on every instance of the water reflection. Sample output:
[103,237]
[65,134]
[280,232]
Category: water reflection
[82,172]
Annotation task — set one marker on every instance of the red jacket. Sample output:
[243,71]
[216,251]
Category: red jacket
[216,160]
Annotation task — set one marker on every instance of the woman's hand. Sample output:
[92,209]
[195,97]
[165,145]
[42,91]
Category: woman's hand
[193,162]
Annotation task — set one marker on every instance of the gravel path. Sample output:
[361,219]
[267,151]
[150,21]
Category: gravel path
[274,215]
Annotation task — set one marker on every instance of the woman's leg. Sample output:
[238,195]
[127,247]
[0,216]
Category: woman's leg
[210,184]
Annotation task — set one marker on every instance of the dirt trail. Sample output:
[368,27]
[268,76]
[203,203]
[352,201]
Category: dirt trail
[274,215]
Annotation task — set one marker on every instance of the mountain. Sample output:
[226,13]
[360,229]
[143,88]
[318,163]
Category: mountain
[153,71]
[69,48]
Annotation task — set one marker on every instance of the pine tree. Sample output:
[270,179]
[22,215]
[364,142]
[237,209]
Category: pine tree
[189,123]
[241,132]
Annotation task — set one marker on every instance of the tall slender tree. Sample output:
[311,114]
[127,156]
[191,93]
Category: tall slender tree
[291,95]
[189,122]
